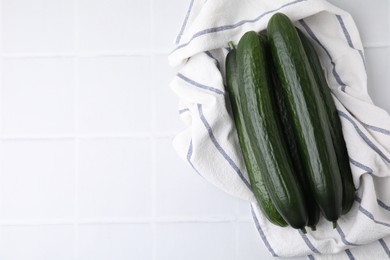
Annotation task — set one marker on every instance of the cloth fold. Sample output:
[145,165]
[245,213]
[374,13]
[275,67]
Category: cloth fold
[210,144]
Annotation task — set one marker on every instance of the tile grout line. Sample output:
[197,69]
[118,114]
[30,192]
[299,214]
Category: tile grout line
[236,249]
[1,69]
[153,219]
[141,220]
[76,130]
[124,53]
[84,54]
[76,175]
[152,139]
[236,228]
[1,98]
[147,135]
[153,195]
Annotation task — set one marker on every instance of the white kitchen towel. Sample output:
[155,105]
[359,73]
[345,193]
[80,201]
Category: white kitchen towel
[210,145]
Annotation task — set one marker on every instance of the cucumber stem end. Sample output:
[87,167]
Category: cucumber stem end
[303,230]
[334,224]
[231,45]
[314,228]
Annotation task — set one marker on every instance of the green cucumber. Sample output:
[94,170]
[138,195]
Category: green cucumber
[256,179]
[334,124]
[264,131]
[307,115]
[313,209]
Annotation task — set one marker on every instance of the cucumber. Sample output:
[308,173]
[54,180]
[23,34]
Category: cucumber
[334,124]
[255,176]
[313,209]
[264,131]
[307,114]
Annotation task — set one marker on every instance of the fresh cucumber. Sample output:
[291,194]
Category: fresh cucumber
[307,115]
[313,209]
[264,131]
[255,176]
[334,124]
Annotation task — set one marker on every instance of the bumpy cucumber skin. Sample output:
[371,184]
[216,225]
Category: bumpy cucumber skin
[308,116]
[312,207]
[334,123]
[266,139]
[255,177]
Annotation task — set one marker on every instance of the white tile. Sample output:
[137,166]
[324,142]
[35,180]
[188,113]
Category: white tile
[37,242]
[37,25]
[114,25]
[114,178]
[37,96]
[115,241]
[37,179]
[166,102]
[371,18]
[251,247]
[378,76]
[243,208]
[114,95]
[180,191]
[168,17]
[194,241]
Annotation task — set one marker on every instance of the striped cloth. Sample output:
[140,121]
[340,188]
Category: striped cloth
[209,144]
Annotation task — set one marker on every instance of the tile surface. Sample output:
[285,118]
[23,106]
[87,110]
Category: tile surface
[37,96]
[114,179]
[37,26]
[114,95]
[115,241]
[193,241]
[114,25]
[378,76]
[173,178]
[37,180]
[37,242]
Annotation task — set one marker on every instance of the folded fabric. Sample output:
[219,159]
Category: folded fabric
[210,143]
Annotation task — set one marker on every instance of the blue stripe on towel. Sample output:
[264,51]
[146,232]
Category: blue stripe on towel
[349,254]
[184,22]
[385,247]
[199,85]
[189,155]
[343,239]
[361,166]
[208,53]
[377,129]
[233,26]
[262,235]
[363,136]
[181,111]
[383,205]
[220,149]
[314,37]
[308,243]
[371,216]
[349,40]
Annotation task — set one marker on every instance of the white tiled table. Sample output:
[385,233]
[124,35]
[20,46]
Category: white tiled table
[87,170]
